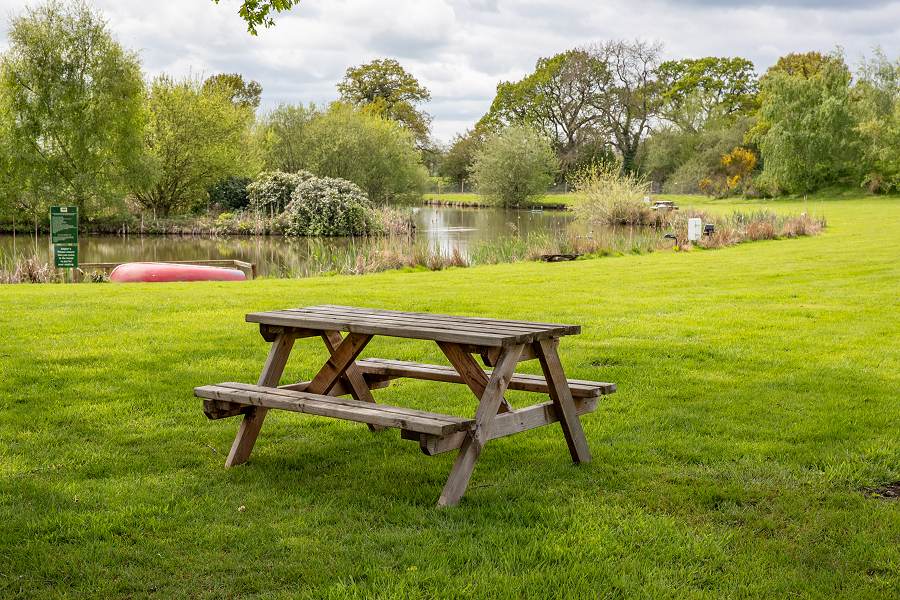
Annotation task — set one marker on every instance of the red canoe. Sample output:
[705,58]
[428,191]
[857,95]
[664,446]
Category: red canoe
[134,272]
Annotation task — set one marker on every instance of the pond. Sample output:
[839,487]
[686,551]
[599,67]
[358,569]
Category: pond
[471,233]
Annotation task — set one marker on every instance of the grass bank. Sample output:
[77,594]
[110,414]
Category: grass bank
[757,398]
[550,201]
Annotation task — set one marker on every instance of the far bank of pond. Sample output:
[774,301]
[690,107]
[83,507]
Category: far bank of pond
[472,234]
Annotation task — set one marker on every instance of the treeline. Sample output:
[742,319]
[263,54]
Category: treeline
[80,124]
[707,125]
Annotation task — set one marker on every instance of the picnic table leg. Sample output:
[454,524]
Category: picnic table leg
[252,422]
[562,399]
[475,439]
[342,358]
[470,371]
[356,383]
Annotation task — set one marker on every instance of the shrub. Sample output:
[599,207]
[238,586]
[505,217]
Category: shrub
[271,190]
[515,167]
[612,198]
[230,193]
[329,207]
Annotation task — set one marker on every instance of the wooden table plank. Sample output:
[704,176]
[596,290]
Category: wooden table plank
[441,321]
[420,333]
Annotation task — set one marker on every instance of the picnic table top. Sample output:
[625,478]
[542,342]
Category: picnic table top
[421,326]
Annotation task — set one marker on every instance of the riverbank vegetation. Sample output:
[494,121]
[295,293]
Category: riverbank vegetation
[122,149]
[710,125]
[756,409]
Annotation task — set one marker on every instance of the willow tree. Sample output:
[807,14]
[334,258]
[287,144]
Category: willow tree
[76,100]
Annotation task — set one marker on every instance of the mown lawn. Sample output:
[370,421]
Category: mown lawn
[758,395]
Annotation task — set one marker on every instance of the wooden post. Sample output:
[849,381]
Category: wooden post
[562,399]
[353,377]
[470,371]
[490,400]
[253,420]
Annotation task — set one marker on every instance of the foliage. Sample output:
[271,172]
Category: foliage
[195,138]
[695,91]
[326,206]
[515,166]
[806,129]
[803,64]
[241,92]
[230,193]
[632,100]
[563,99]
[284,133]
[877,113]
[258,13]
[610,197]
[735,169]
[681,159]
[457,162]
[75,99]
[375,153]
[386,89]
[271,191]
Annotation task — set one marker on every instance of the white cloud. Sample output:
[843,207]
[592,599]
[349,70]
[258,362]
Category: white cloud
[460,49]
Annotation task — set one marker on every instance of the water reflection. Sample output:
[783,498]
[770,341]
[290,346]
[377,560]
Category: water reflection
[441,229]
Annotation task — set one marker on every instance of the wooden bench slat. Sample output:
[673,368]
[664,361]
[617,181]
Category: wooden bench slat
[522,382]
[340,408]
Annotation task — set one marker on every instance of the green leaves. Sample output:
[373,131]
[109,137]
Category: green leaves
[258,13]
[75,101]
[515,166]
[386,89]
[196,136]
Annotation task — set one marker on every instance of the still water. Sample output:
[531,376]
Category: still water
[438,229]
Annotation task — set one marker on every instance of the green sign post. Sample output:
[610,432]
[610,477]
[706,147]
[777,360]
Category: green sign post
[64,236]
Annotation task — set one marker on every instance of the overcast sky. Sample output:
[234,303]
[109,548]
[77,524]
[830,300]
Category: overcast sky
[460,49]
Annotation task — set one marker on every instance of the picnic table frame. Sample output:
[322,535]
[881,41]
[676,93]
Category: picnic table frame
[502,344]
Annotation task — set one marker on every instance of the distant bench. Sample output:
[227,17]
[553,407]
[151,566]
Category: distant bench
[500,343]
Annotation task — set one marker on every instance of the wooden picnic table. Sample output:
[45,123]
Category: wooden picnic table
[501,344]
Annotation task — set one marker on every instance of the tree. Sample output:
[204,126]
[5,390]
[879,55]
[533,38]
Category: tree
[196,137]
[258,13]
[515,166]
[802,64]
[877,112]
[697,90]
[806,127]
[385,88]
[632,100]
[284,133]
[562,99]
[76,98]
[457,162]
[375,153]
[241,92]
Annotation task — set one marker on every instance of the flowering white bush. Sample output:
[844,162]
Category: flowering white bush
[271,190]
[325,206]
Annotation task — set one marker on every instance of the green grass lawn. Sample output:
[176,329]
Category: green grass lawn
[758,394]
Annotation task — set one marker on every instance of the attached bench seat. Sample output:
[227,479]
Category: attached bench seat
[377,370]
[230,399]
